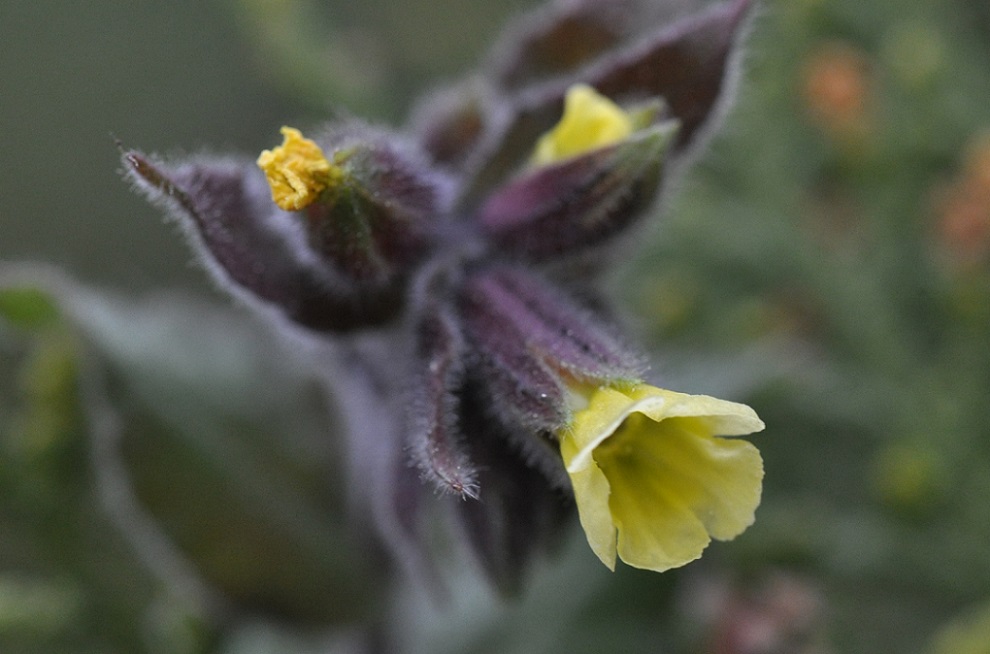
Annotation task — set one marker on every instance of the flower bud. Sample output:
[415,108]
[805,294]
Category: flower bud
[555,40]
[690,63]
[580,202]
[590,121]
[452,124]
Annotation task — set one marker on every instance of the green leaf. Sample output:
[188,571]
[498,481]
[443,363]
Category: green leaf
[28,307]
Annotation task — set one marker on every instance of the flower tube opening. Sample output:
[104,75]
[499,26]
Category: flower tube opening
[653,479]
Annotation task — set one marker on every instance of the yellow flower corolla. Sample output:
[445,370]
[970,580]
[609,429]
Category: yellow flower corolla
[653,480]
[590,121]
[297,171]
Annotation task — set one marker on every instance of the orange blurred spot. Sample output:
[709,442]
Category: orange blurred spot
[963,205]
[836,83]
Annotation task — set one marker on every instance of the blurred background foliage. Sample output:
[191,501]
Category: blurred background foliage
[168,475]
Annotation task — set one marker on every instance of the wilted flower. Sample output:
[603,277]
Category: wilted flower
[453,268]
[297,171]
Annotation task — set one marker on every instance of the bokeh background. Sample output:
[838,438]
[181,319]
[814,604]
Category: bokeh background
[827,261]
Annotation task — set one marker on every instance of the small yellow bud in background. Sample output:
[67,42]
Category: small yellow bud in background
[297,171]
[590,121]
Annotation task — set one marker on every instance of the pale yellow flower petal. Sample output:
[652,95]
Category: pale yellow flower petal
[653,481]
[678,489]
[591,491]
[590,121]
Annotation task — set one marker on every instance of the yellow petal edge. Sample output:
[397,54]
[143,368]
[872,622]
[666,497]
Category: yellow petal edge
[654,480]
[590,121]
[297,171]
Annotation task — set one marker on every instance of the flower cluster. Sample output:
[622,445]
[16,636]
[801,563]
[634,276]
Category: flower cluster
[454,266]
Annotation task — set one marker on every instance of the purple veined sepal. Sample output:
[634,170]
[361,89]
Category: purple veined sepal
[435,440]
[377,220]
[505,509]
[522,389]
[571,206]
[530,341]
[550,325]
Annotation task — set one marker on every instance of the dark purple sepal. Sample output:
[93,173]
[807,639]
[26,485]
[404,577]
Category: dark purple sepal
[690,64]
[435,440]
[376,222]
[556,39]
[530,342]
[251,248]
[522,390]
[518,514]
[568,337]
[579,203]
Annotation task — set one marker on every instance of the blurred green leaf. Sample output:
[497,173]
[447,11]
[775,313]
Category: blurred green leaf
[28,308]
[193,444]
[968,634]
[369,58]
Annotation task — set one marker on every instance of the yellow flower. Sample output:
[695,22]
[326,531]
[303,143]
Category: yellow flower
[590,121]
[297,171]
[652,480]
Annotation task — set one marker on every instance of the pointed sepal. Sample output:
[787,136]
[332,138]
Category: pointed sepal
[523,391]
[435,440]
[690,64]
[568,337]
[530,340]
[581,202]
[556,39]
[518,515]
[251,248]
